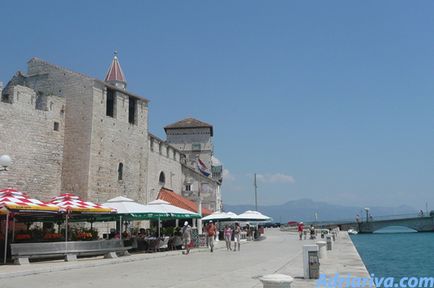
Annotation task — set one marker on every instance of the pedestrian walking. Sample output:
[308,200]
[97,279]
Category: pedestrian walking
[312,232]
[211,231]
[228,235]
[300,229]
[237,236]
[186,237]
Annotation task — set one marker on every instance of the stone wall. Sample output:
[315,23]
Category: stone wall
[27,135]
[163,158]
[208,188]
[77,90]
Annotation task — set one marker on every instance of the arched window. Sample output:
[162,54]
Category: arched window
[120,171]
[162,178]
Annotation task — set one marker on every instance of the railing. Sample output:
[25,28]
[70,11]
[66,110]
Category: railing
[371,219]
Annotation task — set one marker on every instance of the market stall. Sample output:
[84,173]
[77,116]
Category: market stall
[13,203]
[156,210]
[66,208]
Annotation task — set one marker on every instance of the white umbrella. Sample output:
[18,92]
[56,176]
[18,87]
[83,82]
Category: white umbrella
[220,216]
[252,216]
[125,205]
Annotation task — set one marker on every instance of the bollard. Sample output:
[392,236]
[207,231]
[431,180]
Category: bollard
[70,257]
[329,242]
[322,248]
[310,261]
[21,261]
[276,281]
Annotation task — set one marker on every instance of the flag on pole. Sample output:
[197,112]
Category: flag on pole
[202,168]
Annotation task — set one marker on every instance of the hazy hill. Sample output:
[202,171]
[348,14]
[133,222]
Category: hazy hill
[304,210]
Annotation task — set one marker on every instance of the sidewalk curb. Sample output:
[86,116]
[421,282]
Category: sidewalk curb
[102,262]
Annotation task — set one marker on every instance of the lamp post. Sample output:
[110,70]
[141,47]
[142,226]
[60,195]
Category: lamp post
[199,211]
[367,214]
[256,193]
[5,162]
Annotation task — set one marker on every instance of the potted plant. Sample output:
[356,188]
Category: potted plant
[52,237]
[23,237]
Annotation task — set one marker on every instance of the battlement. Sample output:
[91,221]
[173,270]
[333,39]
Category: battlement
[159,146]
[27,98]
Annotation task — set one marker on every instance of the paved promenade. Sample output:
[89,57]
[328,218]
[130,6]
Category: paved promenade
[280,252]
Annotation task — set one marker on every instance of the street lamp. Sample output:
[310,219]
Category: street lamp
[367,214]
[199,210]
[5,162]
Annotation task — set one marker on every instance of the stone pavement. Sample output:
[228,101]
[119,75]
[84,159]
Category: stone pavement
[280,252]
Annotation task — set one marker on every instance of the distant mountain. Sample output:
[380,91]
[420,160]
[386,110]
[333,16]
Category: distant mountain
[305,209]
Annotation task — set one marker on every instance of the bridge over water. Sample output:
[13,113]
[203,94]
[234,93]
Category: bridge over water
[412,221]
[420,224]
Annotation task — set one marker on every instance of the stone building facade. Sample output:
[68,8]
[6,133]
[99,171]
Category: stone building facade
[67,132]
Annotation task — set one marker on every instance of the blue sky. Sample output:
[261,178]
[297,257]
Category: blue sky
[330,100]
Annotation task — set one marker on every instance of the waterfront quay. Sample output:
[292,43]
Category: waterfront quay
[279,252]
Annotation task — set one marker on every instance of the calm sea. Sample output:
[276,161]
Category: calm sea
[397,254]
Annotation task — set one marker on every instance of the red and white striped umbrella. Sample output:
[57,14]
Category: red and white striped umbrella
[11,199]
[74,203]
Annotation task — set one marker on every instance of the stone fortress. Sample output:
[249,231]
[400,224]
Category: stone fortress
[67,132]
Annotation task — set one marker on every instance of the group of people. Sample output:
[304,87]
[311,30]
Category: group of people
[303,231]
[211,233]
[228,236]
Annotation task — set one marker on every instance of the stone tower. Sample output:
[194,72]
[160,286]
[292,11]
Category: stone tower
[105,131]
[194,139]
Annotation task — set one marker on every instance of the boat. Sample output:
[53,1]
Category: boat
[352,232]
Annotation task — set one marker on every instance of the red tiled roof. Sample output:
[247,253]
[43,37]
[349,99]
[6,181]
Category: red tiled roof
[115,72]
[179,201]
[189,123]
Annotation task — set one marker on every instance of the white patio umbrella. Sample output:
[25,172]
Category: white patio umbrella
[125,205]
[250,215]
[220,216]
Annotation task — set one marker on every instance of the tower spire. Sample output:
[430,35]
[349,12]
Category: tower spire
[115,75]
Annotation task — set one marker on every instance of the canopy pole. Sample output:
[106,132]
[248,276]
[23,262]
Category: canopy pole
[217,227]
[66,232]
[158,226]
[120,227]
[6,238]
[199,220]
[13,231]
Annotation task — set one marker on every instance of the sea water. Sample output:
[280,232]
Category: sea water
[397,253]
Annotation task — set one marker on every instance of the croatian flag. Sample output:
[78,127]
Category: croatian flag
[202,168]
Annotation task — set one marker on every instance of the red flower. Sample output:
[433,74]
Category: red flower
[23,237]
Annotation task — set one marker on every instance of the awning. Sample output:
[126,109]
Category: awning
[131,210]
[73,203]
[173,212]
[13,200]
